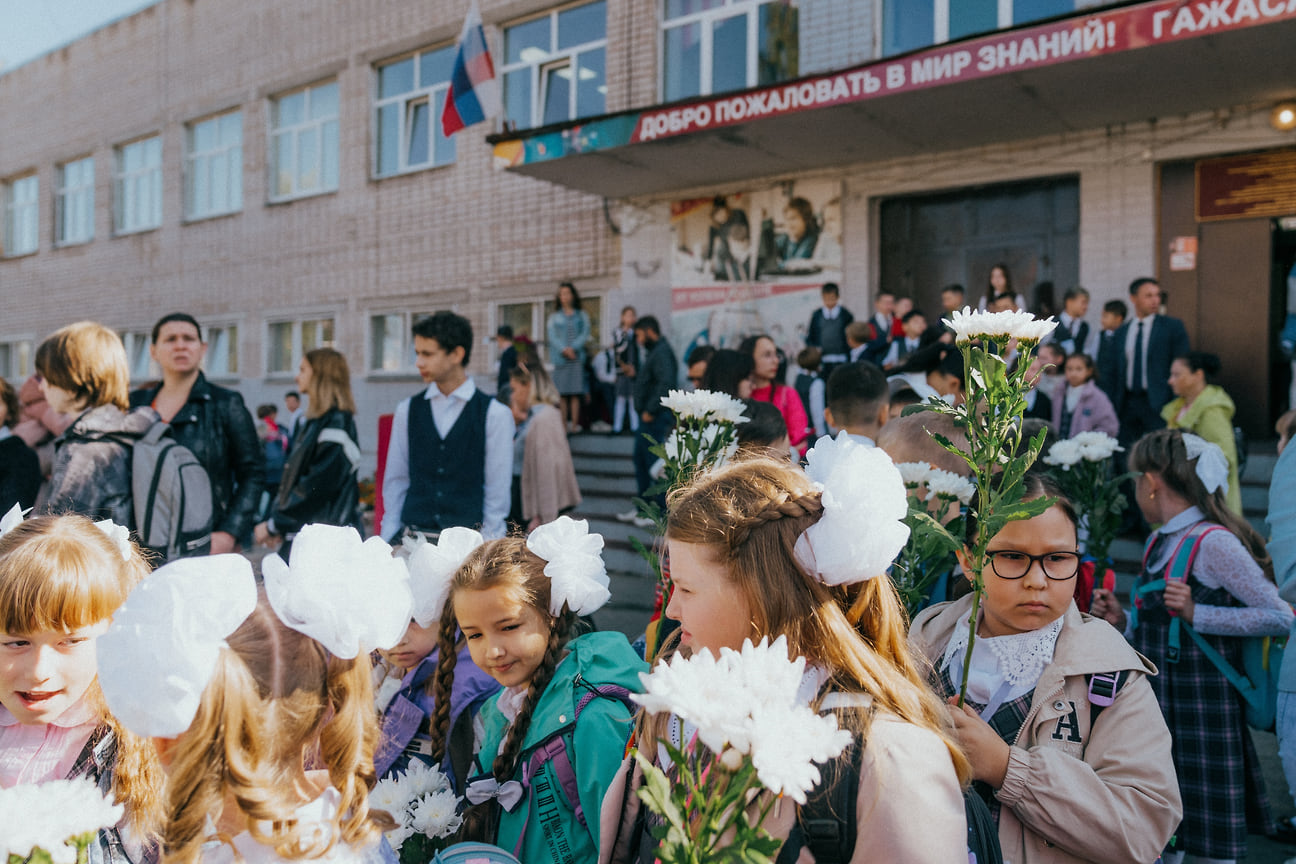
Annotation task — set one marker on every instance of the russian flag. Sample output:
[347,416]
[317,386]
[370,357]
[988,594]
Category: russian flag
[474,90]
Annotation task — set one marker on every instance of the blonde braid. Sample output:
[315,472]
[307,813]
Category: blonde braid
[781,504]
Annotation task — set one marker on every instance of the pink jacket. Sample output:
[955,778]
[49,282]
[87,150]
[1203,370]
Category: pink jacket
[1094,411]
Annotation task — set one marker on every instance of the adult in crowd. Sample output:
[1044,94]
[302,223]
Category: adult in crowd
[84,373]
[1204,409]
[211,421]
[729,371]
[827,330]
[450,458]
[20,474]
[567,331]
[544,478]
[274,440]
[1282,549]
[657,376]
[1082,407]
[1146,345]
[767,388]
[319,482]
[696,365]
[625,352]
[1000,283]
[292,419]
[38,425]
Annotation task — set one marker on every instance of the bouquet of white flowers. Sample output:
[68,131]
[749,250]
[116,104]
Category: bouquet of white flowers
[425,808]
[936,520]
[995,403]
[752,732]
[53,823]
[1082,466]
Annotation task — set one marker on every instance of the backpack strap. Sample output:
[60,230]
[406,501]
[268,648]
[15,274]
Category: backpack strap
[1180,568]
[1103,687]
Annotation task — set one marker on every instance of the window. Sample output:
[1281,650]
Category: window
[20,216]
[411,94]
[138,358]
[16,361]
[911,24]
[391,344]
[213,175]
[554,66]
[288,341]
[74,203]
[712,46]
[304,142]
[222,351]
[138,199]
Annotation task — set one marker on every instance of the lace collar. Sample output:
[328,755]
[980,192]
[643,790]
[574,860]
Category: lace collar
[1021,657]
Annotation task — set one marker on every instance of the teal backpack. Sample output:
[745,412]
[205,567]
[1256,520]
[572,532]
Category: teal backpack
[473,853]
[1257,682]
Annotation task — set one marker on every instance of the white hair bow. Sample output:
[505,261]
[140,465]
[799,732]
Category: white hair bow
[1212,465]
[432,568]
[862,528]
[12,519]
[574,565]
[158,656]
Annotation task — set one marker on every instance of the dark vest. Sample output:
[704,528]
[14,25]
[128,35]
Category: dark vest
[446,475]
[832,334]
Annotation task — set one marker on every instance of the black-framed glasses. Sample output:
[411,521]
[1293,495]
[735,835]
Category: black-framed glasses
[1011,564]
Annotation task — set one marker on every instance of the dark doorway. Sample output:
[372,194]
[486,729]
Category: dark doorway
[1282,304]
[929,241]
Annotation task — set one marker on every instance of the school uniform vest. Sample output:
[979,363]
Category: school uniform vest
[832,334]
[446,474]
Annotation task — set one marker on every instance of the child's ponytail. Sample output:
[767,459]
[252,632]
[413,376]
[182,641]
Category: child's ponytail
[443,684]
[559,633]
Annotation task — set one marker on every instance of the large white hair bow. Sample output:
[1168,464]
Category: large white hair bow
[574,565]
[862,529]
[432,568]
[158,656]
[345,593]
[1212,464]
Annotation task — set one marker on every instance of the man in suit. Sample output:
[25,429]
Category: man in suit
[828,330]
[1145,345]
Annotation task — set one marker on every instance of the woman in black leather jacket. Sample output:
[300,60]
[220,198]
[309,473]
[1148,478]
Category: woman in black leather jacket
[319,481]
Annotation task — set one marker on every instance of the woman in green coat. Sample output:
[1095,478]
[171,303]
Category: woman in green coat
[1205,410]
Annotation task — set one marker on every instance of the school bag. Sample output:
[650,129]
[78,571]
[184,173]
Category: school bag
[1257,681]
[171,494]
[473,853]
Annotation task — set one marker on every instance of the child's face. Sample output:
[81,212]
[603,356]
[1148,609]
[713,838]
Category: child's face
[915,327]
[506,637]
[1034,600]
[417,643]
[1110,320]
[43,674]
[1077,373]
[1077,306]
[711,613]
[62,401]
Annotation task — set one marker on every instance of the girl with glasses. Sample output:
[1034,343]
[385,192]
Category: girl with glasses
[1068,747]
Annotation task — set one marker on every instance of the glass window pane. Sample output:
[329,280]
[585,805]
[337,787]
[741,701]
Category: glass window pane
[279,347]
[1034,10]
[591,83]
[974,16]
[324,101]
[582,24]
[729,54]
[396,78]
[386,342]
[284,164]
[443,148]
[676,8]
[517,98]
[153,149]
[435,67]
[291,109]
[236,178]
[219,185]
[517,316]
[527,42]
[330,155]
[308,159]
[204,135]
[683,62]
[218,350]
[231,128]
[417,124]
[388,138]
[199,181]
[557,93]
[777,43]
[907,24]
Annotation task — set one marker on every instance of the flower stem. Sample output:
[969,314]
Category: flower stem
[967,658]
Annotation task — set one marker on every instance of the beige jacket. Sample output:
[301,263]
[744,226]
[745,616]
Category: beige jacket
[910,805]
[1107,794]
[548,476]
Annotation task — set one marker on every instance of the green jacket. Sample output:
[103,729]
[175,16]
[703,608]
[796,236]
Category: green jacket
[1210,417]
[596,747]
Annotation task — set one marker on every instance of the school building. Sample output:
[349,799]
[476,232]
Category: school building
[278,170]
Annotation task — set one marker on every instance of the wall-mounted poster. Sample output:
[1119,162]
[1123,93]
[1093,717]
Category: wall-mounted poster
[753,262]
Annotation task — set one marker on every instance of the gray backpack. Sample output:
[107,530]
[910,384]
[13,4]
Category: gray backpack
[172,497]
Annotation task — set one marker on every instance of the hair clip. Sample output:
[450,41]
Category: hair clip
[341,591]
[158,656]
[574,565]
[119,535]
[12,519]
[862,528]
[1212,465]
[432,568]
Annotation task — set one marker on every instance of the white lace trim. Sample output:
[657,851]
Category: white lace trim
[1020,657]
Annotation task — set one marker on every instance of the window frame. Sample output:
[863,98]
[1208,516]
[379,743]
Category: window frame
[406,100]
[541,307]
[26,360]
[122,177]
[135,340]
[408,317]
[296,322]
[274,130]
[223,325]
[706,52]
[25,212]
[553,58]
[62,192]
[1004,12]
[231,152]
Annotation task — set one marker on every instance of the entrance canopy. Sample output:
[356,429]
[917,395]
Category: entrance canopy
[1128,64]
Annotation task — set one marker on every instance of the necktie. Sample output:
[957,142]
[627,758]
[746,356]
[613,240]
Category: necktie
[1138,359]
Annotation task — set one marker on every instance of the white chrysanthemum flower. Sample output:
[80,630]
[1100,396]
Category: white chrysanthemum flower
[1096,446]
[48,815]
[435,814]
[787,741]
[1036,330]
[705,405]
[672,446]
[914,473]
[968,325]
[947,484]
[1064,454]
[421,779]
[398,835]
[390,795]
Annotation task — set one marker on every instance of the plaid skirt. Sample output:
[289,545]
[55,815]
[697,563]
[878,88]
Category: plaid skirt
[1219,773]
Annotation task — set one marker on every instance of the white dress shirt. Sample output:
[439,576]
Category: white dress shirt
[446,409]
[1130,337]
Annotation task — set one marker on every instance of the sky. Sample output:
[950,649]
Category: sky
[31,28]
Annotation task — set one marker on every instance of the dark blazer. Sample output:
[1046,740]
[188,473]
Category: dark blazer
[657,376]
[1167,341]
